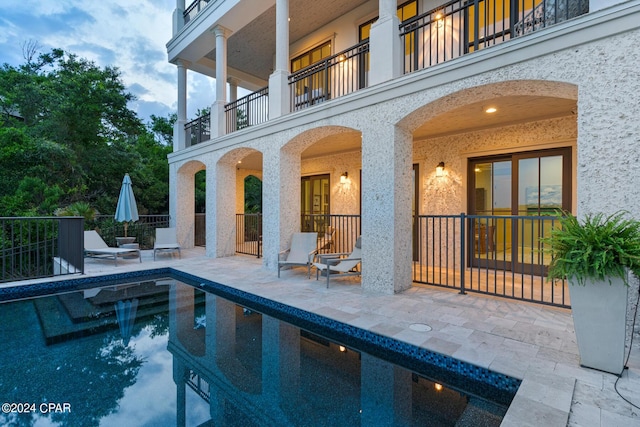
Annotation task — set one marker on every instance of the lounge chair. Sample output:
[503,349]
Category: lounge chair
[301,252]
[325,240]
[166,240]
[340,264]
[95,247]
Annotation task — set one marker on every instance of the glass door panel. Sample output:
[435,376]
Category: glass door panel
[315,200]
[540,193]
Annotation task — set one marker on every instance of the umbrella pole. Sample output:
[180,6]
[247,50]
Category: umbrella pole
[126,224]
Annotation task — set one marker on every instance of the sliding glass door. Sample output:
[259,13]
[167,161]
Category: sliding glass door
[515,187]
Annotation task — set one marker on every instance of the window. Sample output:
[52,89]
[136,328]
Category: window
[405,11]
[315,202]
[313,86]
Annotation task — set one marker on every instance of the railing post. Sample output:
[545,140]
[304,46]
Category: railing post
[463,240]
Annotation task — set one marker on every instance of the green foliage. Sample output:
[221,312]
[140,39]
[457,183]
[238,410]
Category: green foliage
[598,248]
[77,139]
[252,195]
[82,209]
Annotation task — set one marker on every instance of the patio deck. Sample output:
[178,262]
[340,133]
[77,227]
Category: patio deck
[529,341]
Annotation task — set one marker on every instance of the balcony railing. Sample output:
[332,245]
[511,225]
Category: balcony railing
[461,26]
[194,8]
[250,110]
[198,130]
[338,75]
[37,247]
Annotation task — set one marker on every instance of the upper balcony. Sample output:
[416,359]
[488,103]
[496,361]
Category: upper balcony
[437,35]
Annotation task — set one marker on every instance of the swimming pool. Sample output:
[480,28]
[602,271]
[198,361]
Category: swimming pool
[163,348]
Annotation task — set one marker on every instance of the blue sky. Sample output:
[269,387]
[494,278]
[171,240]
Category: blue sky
[128,34]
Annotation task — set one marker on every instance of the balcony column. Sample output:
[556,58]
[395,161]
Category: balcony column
[279,102]
[233,89]
[385,45]
[178,17]
[218,127]
[386,208]
[280,203]
[179,135]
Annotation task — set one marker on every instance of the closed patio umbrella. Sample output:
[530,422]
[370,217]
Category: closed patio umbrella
[127,210]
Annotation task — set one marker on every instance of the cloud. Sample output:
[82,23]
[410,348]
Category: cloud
[120,33]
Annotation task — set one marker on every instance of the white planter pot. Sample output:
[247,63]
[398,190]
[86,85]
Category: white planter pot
[599,316]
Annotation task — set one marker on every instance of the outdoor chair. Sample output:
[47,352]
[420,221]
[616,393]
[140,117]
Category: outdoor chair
[95,247]
[166,240]
[301,252]
[325,240]
[340,264]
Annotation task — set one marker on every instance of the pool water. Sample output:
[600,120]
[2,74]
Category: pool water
[176,350]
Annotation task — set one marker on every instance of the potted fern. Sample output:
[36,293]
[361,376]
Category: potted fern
[596,256]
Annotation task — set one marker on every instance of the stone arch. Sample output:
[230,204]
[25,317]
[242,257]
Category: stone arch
[485,94]
[226,185]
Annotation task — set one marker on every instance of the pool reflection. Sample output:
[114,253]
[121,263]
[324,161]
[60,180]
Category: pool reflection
[252,369]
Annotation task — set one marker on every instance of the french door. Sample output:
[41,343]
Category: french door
[515,187]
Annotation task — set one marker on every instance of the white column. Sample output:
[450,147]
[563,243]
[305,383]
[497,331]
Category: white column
[179,136]
[386,208]
[178,17]
[233,89]
[279,102]
[218,127]
[385,45]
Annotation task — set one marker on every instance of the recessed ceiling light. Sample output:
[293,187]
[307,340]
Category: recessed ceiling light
[490,110]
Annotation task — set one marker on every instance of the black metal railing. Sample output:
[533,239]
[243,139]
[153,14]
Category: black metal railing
[249,234]
[336,233]
[497,255]
[193,9]
[37,247]
[198,130]
[335,76]
[143,230]
[250,110]
[460,27]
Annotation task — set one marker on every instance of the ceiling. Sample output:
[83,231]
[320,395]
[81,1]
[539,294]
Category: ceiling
[469,118]
[252,49]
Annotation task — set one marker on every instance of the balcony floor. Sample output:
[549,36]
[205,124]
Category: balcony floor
[533,342]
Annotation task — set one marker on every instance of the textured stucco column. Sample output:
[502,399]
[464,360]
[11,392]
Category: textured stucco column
[182,203]
[386,208]
[609,131]
[179,136]
[218,127]
[280,202]
[221,209]
[279,79]
[385,45]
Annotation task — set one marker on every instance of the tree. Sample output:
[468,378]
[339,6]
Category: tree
[76,135]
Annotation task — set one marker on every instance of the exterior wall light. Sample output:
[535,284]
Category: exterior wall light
[440,169]
[343,178]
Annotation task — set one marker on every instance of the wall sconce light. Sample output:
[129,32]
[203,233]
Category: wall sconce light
[342,349]
[440,169]
[438,387]
[343,178]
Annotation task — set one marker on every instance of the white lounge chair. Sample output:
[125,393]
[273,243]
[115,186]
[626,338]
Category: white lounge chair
[95,247]
[341,263]
[301,252]
[166,240]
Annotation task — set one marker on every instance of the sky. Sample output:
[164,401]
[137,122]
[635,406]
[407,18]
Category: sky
[128,34]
